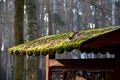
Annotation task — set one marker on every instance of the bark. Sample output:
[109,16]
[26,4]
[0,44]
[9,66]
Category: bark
[49,17]
[75,14]
[31,30]
[18,36]
[42,16]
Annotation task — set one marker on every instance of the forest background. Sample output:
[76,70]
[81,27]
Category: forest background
[52,17]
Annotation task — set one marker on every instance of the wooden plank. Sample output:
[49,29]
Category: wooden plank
[83,64]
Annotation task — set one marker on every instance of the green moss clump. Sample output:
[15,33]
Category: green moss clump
[59,49]
[16,52]
[76,45]
[37,53]
[68,47]
[43,52]
[23,53]
[51,51]
[29,52]
[10,51]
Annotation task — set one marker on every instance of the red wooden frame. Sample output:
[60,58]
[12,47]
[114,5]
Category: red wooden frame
[94,64]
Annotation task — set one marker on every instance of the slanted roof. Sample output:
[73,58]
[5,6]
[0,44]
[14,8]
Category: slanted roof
[59,43]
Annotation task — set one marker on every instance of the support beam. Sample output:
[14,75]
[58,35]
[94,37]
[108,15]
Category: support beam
[48,57]
[47,67]
[108,64]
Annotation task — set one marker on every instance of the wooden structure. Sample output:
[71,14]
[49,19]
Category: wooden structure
[106,40]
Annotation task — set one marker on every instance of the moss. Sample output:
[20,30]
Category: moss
[43,51]
[29,52]
[51,51]
[76,45]
[68,47]
[59,49]
[16,52]
[57,43]
[36,53]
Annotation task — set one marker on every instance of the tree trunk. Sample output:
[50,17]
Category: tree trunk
[0,39]
[49,17]
[31,30]
[18,34]
[113,12]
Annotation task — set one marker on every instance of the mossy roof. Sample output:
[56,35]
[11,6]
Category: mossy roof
[58,43]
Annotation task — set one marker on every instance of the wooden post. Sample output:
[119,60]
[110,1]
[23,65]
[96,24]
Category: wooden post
[47,67]
[48,57]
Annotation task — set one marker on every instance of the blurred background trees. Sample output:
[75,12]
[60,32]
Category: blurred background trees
[54,16]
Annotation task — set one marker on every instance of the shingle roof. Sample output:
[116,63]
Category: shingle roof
[58,43]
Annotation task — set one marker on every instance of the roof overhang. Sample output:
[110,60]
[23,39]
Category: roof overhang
[105,42]
[96,40]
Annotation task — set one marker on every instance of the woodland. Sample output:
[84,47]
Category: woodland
[25,20]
